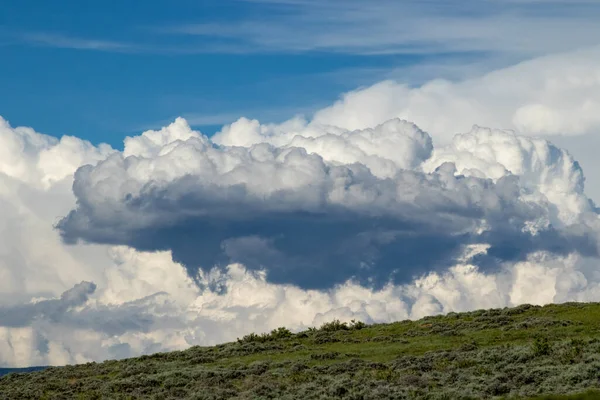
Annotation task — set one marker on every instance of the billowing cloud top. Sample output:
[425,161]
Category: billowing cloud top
[553,95]
[182,239]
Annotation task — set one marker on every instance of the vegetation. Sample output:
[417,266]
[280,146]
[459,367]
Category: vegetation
[527,352]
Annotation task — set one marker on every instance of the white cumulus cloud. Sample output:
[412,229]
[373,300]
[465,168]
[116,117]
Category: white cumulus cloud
[556,94]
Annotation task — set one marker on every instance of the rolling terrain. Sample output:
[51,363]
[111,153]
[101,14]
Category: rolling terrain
[528,352]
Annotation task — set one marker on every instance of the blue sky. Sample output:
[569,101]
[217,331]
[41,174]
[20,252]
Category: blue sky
[103,70]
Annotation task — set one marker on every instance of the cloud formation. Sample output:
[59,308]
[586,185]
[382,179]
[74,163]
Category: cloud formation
[23,314]
[366,212]
[556,94]
[181,239]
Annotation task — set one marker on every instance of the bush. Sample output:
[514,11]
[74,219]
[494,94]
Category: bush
[357,325]
[325,337]
[258,368]
[498,387]
[331,355]
[468,346]
[541,346]
[250,338]
[334,325]
[381,339]
[281,333]
[577,346]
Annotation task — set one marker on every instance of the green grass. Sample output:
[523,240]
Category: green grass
[551,352]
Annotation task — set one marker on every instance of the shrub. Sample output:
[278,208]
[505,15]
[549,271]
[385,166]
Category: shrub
[298,367]
[258,368]
[414,380]
[576,347]
[322,339]
[517,310]
[357,325]
[466,363]
[331,355]
[498,387]
[541,346]
[252,337]
[334,325]
[281,333]
[468,346]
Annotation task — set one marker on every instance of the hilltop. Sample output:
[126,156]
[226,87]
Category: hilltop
[520,352]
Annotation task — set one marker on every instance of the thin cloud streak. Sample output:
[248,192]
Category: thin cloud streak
[68,42]
[65,41]
[409,27]
[515,28]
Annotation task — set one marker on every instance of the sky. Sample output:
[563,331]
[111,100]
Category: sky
[121,68]
[184,173]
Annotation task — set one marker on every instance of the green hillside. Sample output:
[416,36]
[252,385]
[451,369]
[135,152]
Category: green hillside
[522,352]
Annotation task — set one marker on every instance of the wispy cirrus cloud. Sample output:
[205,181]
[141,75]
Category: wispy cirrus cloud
[139,46]
[69,42]
[514,29]
[392,27]
[524,28]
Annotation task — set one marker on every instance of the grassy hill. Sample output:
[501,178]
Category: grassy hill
[522,352]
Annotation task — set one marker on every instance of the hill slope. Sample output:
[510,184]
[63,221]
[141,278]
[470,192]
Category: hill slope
[515,353]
